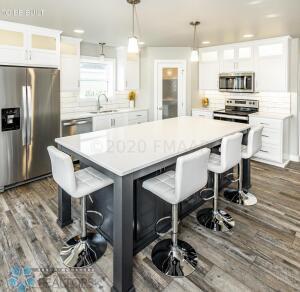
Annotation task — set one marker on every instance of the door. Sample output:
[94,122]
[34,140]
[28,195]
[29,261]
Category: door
[43,87]
[13,129]
[170,89]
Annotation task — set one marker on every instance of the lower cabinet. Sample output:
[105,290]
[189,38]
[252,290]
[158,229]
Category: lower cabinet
[275,146]
[115,120]
[204,113]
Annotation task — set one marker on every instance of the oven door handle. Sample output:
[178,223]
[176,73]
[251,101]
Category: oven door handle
[230,117]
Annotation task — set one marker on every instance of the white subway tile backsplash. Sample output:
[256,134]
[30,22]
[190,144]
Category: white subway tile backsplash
[71,103]
[278,102]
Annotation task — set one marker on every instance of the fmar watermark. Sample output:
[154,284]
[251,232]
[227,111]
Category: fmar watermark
[27,12]
[24,278]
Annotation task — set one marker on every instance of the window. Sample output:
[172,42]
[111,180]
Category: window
[96,77]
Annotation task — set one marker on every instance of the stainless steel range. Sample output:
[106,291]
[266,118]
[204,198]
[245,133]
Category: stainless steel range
[237,110]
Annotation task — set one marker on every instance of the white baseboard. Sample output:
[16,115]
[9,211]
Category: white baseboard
[282,165]
[295,158]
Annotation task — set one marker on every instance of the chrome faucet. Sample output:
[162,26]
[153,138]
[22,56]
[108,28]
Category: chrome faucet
[99,105]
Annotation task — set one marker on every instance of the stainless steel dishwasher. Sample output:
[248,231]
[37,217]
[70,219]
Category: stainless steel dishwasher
[77,126]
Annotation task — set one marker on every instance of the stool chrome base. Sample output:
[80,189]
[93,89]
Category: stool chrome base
[221,221]
[240,197]
[82,252]
[178,261]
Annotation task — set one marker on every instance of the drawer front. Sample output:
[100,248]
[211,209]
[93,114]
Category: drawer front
[267,123]
[139,115]
[137,121]
[269,152]
[203,114]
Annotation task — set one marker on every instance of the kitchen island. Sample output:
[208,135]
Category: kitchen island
[127,155]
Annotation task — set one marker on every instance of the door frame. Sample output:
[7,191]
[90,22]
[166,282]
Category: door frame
[181,65]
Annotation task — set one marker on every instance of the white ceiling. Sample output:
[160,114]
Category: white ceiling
[164,22]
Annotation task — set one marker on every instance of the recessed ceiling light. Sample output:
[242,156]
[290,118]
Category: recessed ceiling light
[247,36]
[205,42]
[254,2]
[272,15]
[141,43]
[81,31]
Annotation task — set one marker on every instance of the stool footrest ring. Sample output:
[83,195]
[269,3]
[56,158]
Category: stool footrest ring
[98,214]
[207,194]
[158,222]
[230,178]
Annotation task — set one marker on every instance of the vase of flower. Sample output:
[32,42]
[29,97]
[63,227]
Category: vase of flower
[131,97]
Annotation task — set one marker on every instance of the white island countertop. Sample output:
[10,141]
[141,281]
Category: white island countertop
[127,149]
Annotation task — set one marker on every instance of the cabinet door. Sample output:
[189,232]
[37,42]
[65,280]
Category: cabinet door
[69,74]
[101,122]
[209,70]
[12,47]
[245,58]
[43,50]
[272,67]
[119,120]
[228,62]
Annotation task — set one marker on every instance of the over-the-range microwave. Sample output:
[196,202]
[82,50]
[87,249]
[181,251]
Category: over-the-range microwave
[237,82]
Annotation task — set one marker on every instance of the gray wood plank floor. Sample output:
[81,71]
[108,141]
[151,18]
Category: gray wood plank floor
[262,254]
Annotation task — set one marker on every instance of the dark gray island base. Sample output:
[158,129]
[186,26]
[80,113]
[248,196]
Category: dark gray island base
[143,209]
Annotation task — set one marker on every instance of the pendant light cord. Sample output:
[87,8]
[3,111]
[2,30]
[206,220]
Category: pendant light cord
[194,41]
[133,7]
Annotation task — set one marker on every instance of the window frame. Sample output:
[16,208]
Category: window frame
[96,60]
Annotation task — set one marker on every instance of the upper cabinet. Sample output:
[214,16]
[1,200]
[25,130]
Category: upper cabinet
[128,70]
[25,45]
[70,64]
[209,69]
[236,58]
[272,65]
[269,59]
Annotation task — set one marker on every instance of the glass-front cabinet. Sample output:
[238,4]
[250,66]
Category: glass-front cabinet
[24,45]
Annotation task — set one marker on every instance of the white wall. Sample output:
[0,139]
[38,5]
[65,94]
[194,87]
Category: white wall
[148,56]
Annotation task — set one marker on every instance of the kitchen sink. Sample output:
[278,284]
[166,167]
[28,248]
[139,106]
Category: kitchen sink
[105,111]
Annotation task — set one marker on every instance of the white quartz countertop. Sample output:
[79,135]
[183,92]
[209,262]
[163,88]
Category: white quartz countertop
[270,115]
[82,115]
[127,149]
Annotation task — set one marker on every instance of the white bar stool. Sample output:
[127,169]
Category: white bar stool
[231,154]
[254,145]
[173,257]
[85,249]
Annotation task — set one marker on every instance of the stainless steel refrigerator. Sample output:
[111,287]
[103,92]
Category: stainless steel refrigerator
[30,121]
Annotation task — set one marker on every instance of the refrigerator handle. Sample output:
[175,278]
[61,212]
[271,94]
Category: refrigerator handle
[25,115]
[29,120]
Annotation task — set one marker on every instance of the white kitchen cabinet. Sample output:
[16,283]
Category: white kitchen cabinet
[209,69]
[268,59]
[69,64]
[272,69]
[275,145]
[26,45]
[236,58]
[101,122]
[128,70]
[203,113]
[115,120]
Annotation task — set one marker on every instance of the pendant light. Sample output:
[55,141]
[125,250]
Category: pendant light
[102,56]
[133,44]
[195,52]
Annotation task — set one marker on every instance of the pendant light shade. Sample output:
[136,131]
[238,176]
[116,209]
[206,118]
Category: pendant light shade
[133,46]
[102,56]
[195,56]
[133,43]
[195,52]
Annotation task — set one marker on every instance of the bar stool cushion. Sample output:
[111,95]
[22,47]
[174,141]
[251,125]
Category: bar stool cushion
[162,186]
[89,180]
[190,177]
[77,184]
[254,142]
